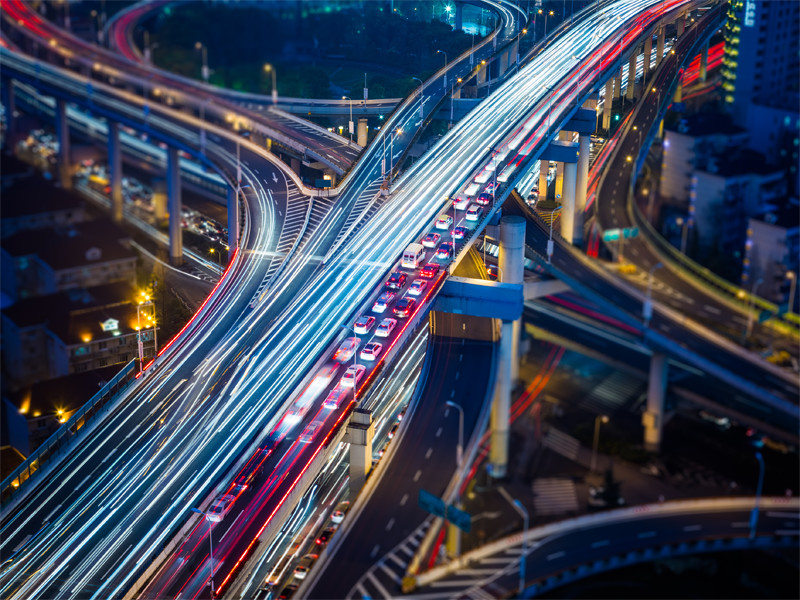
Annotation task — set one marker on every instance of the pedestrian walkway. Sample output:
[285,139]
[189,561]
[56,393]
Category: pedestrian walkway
[554,496]
[563,444]
[612,394]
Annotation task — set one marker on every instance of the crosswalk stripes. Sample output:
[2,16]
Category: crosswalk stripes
[397,560]
[479,594]
[563,444]
[612,393]
[554,496]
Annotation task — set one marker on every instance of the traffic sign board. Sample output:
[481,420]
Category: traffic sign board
[459,518]
[433,504]
[612,235]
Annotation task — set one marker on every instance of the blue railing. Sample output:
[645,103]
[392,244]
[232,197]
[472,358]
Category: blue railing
[66,435]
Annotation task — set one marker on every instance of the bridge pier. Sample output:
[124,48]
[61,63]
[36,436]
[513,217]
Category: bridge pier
[607,100]
[631,75]
[680,25]
[62,133]
[362,132]
[160,199]
[360,432]
[544,168]
[115,171]
[648,54]
[568,210]
[511,263]
[174,199]
[660,45]
[233,220]
[618,85]
[564,137]
[653,417]
[581,183]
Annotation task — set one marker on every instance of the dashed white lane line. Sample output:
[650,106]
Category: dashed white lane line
[428,453]
[417,475]
[439,432]
[396,559]
[693,528]
[739,524]
[374,551]
[390,524]
[80,485]
[600,544]
[556,555]
[403,500]
[452,393]
[646,534]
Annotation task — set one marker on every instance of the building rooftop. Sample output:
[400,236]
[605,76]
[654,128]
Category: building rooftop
[81,244]
[34,195]
[66,393]
[707,124]
[80,315]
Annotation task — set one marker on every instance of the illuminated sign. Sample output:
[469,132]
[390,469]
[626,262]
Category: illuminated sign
[110,325]
[750,13]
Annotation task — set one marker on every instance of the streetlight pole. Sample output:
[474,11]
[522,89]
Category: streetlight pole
[792,277]
[522,512]
[421,96]
[648,304]
[444,85]
[750,307]
[597,420]
[268,68]
[350,128]
[210,546]
[545,23]
[460,447]
[204,72]
[759,487]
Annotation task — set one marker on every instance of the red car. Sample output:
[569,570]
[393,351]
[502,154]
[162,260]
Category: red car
[429,271]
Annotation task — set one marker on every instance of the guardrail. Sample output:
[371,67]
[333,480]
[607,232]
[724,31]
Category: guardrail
[66,435]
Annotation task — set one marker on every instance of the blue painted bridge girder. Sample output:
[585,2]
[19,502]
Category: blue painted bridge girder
[480,298]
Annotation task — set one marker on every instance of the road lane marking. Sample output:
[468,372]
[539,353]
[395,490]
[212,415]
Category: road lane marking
[458,374]
[417,474]
[740,524]
[447,411]
[109,455]
[556,555]
[407,550]
[439,432]
[600,544]
[77,487]
[393,557]
[452,393]
[787,532]
[24,541]
[377,584]
[403,500]
[390,524]
[428,453]
[712,309]
[374,551]
[390,573]
[52,512]
[646,534]
[788,515]
[693,528]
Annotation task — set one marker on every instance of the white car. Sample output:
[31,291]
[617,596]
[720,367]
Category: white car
[461,202]
[352,376]
[363,325]
[220,507]
[474,213]
[371,351]
[383,302]
[347,349]
[386,327]
[431,240]
[310,432]
[418,287]
[444,222]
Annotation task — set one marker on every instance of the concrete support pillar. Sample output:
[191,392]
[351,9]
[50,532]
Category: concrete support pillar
[648,54]
[560,181]
[618,84]
[704,63]
[62,133]
[174,199]
[544,168]
[607,100]
[115,171]
[360,432]
[480,76]
[9,103]
[568,202]
[160,199]
[503,63]
[295,164]
[331,176]
[361,138]
[680,26]
[233,220]
[678,97]
[631,76]
[653,417]
[511,260]
[511,263]
[660,45]
[581,184]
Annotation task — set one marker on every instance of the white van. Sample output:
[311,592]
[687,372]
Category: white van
[413,256]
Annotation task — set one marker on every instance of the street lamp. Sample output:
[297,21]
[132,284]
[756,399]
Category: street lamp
[351,116]
[551,13]
[754,514]
[210,545]
[750,306]
[460,447]
[792,277]
[268,68]
[204,72]
[647,309]
[444,85]
[144,300]
[421,96]
[212,252]
[598,419]
[522,512]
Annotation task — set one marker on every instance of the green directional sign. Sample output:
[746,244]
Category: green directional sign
[459,518]
[611,235]
[630,232]
[433,504]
